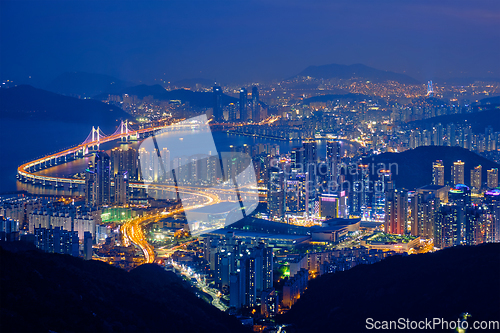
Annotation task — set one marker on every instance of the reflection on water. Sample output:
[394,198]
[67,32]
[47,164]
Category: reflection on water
[222,140]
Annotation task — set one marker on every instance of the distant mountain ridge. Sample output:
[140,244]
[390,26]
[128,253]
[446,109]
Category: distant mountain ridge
[191,83]
[333,97]
[361,71]
[27,102]
[195,98]
[464,81]
[81,84]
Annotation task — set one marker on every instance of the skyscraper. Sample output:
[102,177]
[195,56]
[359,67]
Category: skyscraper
[275,194]
[438,173]
[102,178]
[310,164]
[310,152]
[492,178]
[217,106]
[297,159]
[255,105]
[458,173]
[329,205]
[244,115]
[121,188]
[396,211]
[295,194]
[476,177]
[124,159]
[424,206]
[333,155]
[454,225]
[90,195]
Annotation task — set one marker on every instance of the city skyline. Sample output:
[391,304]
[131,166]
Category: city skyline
[265,166]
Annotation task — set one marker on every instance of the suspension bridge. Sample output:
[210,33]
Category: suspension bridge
[124,132]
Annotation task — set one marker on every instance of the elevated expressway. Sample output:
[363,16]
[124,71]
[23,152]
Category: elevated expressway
[133,231]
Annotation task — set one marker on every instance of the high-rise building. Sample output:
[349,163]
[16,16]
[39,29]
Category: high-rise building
[90,179]
[396,211]
[310,165]
[121,188]
[424,205]
[217,104]
[451,135]
[458,173]
[244,115]
[276,193]
[87,246]
[438,135]
[492,178]
[255,105]
[296,194]
[381,185]
[310,152]
[124,159]
[476,177]
[297,159]
[251,276]
[492,199]
[57,240]
[328,206]
[102,178]
[454,225]
[333,156]
[438,173]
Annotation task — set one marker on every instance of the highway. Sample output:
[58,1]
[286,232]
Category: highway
[200,284]
[133,230]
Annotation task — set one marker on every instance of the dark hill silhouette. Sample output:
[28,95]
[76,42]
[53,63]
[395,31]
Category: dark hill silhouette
[431,101]
[195,98]
[327,98]
[495,100]
[355,71]
[44,292]
[85,84]
[414,166]
[26,102]
[444,285]
[478,120]
[465,81]
[191,83]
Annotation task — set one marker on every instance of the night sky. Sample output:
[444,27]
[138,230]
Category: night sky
[244,41]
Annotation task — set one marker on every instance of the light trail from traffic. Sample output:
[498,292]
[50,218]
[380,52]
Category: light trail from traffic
[133,230]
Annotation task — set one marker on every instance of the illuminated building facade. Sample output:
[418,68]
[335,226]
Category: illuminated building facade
[438,173]
[396,211]
[458,173]
[476,177]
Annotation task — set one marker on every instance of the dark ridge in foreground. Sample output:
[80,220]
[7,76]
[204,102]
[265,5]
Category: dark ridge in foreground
[444,285]
[44,292]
